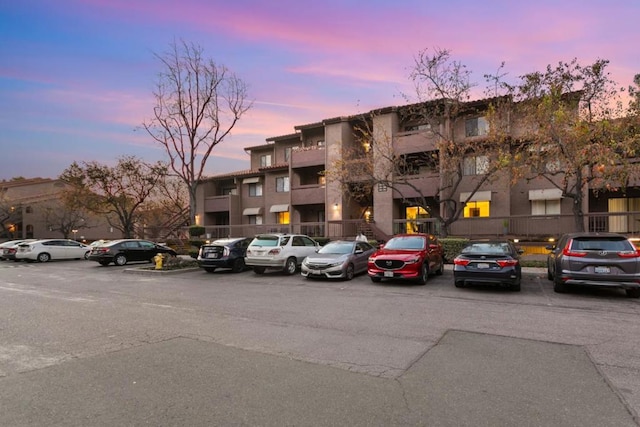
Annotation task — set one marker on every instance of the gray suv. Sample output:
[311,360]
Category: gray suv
[594,259]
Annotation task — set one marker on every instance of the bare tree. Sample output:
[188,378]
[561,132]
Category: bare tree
[579,135]
[443,88]
[66,217]
[198,103]
[118,192]
[167,210]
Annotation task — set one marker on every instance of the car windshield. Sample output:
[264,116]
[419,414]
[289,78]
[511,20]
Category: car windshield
[409,242]
[591,244]
[266,241]
[487,248]
[337,248]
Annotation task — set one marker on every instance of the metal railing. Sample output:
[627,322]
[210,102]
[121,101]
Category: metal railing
[522,227]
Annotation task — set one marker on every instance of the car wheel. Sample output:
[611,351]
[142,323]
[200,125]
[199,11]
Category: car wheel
[259,270]
[348,275]
[440,269]
[559,286]
[238,265]
[103,263]
[290,266]
[86,255]
[633,293]
[459,283]
[375,279]
[43,257]
[120,259]
[424,274]
[210,269]
[549,274]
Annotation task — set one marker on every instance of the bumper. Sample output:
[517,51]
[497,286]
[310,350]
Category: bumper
[215,263]
[601,283]
[505,278]
[327,273]
[394,274]
[264,262]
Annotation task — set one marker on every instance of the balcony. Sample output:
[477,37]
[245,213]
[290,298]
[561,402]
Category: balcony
[422,185]
[219,203]
[308,195]
[415,141]
[308,156]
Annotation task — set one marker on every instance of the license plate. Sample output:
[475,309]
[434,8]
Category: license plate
[602,269]
[482,265]
[315,272]
[212,255]
[388,274]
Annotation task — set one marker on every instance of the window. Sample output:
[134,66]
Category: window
[412,128]
[265,160]
[476,127]
[283,217]
[255,219]
[255,190]
[545,207]
[475,165]
[282,184]
[476,209]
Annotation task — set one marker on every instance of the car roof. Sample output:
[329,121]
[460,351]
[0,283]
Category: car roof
[594,234]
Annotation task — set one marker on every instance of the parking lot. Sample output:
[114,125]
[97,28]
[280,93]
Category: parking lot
[83,342]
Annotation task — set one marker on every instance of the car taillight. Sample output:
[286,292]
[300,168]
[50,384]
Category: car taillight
[275,251]
[629,254]
[507,262]
[461,261]
[568,252]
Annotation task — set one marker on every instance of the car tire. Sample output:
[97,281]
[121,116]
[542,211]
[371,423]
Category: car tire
[375,279]
[459,283]
[633,293]
[210,269]
[350,272]
[120,260]
[424,274]
[440,269]
[259,270]
[559,286]
[290,266]
[549,274]
[238,265]
[86,255]
[43,257]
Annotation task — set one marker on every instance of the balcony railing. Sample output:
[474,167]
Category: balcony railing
[533,227]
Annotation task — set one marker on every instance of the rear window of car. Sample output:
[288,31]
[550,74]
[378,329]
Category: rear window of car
[602,244]
[487,248]
[266,241]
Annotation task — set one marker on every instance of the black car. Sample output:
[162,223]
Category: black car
[224,253]
[120,252]
[594,259]
[494,262]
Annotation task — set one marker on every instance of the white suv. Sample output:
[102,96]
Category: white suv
[277,250]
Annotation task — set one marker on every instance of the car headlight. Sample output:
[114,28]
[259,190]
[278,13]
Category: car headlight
[305,262]
[413,260]
[336,264]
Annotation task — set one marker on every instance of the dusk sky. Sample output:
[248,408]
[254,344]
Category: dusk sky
[76,77]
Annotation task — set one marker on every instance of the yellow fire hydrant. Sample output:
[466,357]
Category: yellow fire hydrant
[158,260]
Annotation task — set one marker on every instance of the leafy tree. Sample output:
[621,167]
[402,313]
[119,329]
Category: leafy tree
[197,104]
[443,91]
[119,193]
[578,133]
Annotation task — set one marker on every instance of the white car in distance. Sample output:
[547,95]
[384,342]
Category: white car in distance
[52,249]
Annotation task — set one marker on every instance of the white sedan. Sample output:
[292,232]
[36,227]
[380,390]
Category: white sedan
[50,249]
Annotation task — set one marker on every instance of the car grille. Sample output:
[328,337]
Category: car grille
[317,266]
[389,264]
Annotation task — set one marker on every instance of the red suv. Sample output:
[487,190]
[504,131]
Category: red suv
[407,257]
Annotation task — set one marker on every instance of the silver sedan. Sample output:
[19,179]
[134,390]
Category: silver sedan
[341,259]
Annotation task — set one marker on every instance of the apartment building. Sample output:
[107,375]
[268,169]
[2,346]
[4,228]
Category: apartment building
[31,209]
[289,187]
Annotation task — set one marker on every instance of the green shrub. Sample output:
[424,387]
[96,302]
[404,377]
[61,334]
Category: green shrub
[452,247]
[196,230]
